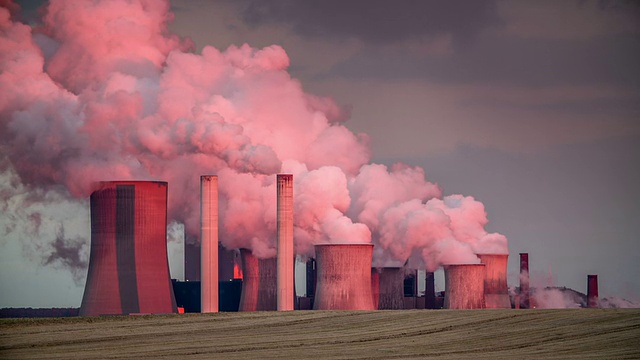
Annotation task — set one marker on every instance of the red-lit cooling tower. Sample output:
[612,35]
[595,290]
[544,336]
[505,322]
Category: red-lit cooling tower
[209,243]
[592,291]
[391,295]
[524,280]
[258,284]
[128,267]
[286,294]
[344,277]
[496,292]
[375,287]
[464,286]
[429,291]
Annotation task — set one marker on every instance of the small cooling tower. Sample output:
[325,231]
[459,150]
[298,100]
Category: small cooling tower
[464,286]
[128,266]
[496,292]
[344,277]
[592,291]
[391,288]
[258,284]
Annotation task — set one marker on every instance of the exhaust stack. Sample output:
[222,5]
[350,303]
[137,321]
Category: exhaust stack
[258,284]
[209,243]
[496,293]
[464,286]
[524,280]
[128,267]
[286,294]
[592,291]
[344,277]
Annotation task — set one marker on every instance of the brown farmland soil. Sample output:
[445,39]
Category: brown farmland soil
[438,334]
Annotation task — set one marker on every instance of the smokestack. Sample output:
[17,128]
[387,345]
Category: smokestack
[258,283]
[209,243]
[464,286]
[524,280]
[496,292]
[344,277]
[429,291]
[128,267]
[286,294]
[391,288]
[592,291]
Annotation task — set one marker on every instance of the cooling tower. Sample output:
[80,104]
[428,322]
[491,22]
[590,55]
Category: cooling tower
[592,291]
[391,288]
[464,286]
[343,277]
[524,280]
[128,265]
[286,293]
[209,243]
[375,287]
[496,292]
[259,283]
[429,291]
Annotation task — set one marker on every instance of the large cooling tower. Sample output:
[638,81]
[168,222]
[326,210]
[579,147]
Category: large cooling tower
[258,284]
[524,280]
[592,291]
[391,288]
[128,267]
[209,243]
[496,292]
[344,277]
[286,294]
[464,286]
[429,290]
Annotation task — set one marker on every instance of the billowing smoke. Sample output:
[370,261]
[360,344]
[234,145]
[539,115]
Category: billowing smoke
[102,91]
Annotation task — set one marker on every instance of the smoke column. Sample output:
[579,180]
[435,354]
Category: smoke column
[107,93]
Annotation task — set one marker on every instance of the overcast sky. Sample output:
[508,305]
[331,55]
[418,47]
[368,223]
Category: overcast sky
[532,108]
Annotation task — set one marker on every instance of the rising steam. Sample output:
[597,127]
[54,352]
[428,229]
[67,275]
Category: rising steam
[102,91]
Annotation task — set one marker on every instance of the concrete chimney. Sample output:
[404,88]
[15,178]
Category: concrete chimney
[524,280]
[496,292]
[429,291]
[286,293]
[128,265]
[258,283]
[344,277]
[209,243]
[592,291]
[464,286]
[391,288]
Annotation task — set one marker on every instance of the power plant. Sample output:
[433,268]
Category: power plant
[496,292]
[128,265]
[343,277]
[129,274]
[464,286]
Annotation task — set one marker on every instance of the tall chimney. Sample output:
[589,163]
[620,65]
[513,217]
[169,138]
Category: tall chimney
[344,277]
[496,292]
[592,291]
[391,288]
[464,286]
[429,291]
[128,265]
[209,243]
[524,280]
[258,283]
[286,295]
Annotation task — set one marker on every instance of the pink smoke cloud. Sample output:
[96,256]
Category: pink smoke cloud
[107,93]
